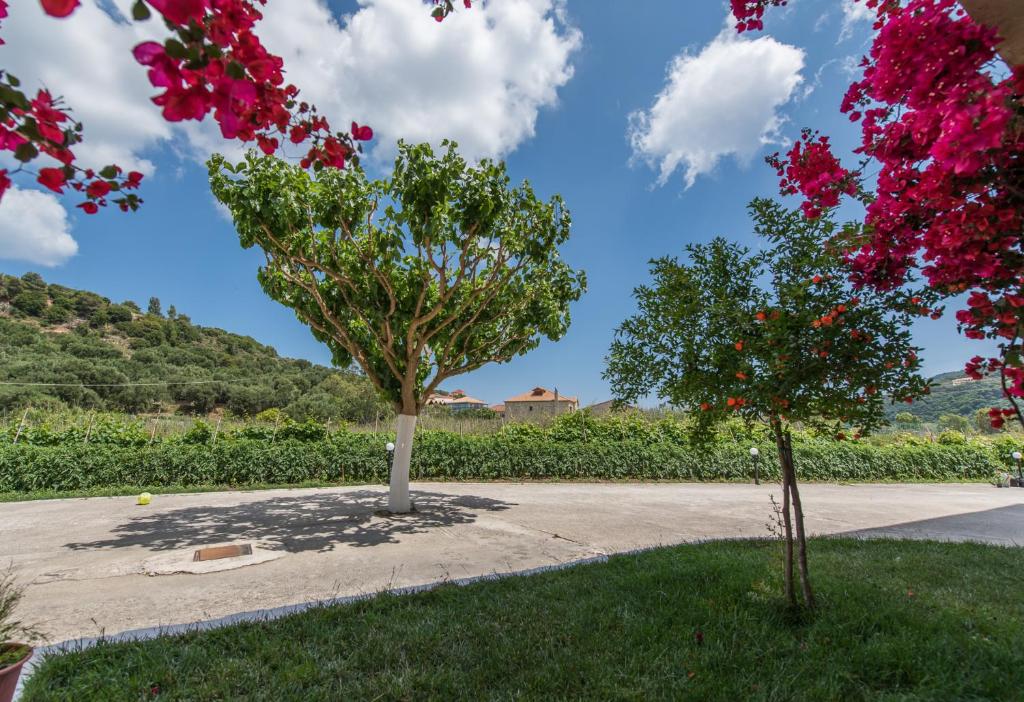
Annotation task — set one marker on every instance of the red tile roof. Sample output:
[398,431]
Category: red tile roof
[541,395]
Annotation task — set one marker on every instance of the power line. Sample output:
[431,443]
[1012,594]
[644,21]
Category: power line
[115,385]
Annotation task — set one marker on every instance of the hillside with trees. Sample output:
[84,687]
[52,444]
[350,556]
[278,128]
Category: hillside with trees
[954,394]
[74,348]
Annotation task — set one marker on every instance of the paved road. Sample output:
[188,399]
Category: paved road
[106,565]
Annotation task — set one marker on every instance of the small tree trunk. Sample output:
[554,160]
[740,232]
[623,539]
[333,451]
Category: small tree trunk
[787,566]
[1007,16]
[798,513]
[398,495]
[21,425]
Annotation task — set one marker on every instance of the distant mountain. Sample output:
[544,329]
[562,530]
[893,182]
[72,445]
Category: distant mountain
[79,349]
[955,393]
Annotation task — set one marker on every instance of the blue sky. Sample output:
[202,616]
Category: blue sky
[566,134]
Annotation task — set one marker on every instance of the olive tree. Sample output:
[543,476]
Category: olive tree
[777,336]
[433,272]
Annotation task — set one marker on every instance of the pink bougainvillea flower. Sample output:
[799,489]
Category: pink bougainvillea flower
[98,189]
[181,11]
[361,133]
[267,145]
[10,139]
[52,178]
[147,52]
[211,62]
[59,8]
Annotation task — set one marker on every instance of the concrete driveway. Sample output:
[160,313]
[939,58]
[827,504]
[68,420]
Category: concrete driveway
[105,565]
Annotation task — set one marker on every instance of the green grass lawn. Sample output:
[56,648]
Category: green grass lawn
[897,621]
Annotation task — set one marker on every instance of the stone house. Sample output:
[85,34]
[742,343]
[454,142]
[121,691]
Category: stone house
[538,404]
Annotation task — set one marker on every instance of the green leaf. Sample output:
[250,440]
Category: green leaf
[30,129]
[140,11]
[175,49]
[26,152]
[108,172]
[14,98]
[235,70]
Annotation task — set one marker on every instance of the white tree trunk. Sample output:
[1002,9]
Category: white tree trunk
[398,496]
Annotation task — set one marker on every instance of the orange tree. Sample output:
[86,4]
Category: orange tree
[779,337]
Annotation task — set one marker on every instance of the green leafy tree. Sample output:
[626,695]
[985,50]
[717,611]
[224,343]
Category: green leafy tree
[250,400]
[33,281]
[983,423]
[318,406]
[57,315]
[355,398]
[31,302]
[99,318]
[119,313]
[776,337]
[955,422]
[86,303]
[907,419]
[434,272]
[196,399]
[154,307]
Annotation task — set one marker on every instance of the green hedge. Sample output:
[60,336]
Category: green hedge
[360,458]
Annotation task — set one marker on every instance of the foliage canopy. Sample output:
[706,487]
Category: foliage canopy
[777,335]
[433,272]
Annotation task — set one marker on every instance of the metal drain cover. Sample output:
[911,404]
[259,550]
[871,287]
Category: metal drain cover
[217,552]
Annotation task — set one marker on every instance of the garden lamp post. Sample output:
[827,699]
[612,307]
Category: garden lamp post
[755,456]
[1017,455]
[390,446]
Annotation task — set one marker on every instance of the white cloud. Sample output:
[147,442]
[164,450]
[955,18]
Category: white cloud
[479,77]
[723,101]
[34,227]
[87,59]
[854,11]
[850,66]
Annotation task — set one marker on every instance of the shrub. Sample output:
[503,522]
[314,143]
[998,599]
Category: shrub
[447,456]
[951,437]
[30,302]
[199,433]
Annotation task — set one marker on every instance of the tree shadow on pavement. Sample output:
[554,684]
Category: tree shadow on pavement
[294,524]
[999,525]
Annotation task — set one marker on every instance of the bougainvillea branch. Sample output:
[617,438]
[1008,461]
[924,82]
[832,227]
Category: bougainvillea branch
[443,8]
[748,13]
[211,64]
[941,119]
